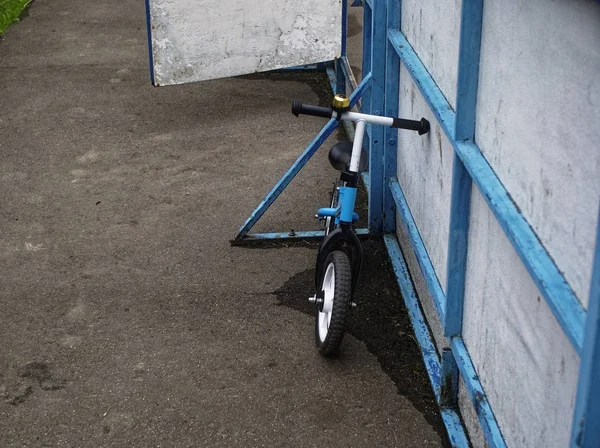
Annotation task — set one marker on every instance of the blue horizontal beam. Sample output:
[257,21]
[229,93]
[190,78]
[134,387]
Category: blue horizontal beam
[298,164]
[418,246]
[421,77]
[428,351]
[490,427]
[556,291]
[304,235]
[299,68]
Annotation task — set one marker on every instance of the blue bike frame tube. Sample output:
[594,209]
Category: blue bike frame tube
[347,201]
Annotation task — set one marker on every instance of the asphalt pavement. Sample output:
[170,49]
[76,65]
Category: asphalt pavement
[126,318]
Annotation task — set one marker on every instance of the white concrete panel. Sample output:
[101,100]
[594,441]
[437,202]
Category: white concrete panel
[425,174]
[195,40]
[527,365]
[432,27]
[538,112]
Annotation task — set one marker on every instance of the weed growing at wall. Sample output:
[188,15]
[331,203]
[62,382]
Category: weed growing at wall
[10,10]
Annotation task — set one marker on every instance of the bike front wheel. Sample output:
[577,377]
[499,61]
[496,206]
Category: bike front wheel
[332,311]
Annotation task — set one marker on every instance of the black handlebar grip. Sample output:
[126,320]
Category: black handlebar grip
[421,126]
[317,111]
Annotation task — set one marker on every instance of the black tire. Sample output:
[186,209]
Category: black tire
[335,195]
[330,325]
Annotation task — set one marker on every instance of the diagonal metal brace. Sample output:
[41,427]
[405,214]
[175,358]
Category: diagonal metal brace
[299,163]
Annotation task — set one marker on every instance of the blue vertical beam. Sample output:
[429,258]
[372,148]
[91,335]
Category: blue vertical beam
[460,205]
[344,29]
[340,85]
[392,98]
[366,56]
[585,432]
[377,134]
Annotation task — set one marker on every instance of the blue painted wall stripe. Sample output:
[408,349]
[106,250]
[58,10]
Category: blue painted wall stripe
[431,92]
[433,284]
[430,356]
[492,433]
[558,294]
[298,164]
[585,432]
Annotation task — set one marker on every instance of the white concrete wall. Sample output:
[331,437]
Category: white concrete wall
[195,40]
[432,27]
[538,124]
[425,175]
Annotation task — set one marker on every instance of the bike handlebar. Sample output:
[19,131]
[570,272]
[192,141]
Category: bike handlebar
[421,126]
[317,111]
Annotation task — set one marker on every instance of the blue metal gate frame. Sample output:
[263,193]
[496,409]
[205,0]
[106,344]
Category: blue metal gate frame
[470,167]
[340,77]
[385,47]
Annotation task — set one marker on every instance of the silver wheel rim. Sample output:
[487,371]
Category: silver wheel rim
[328,295]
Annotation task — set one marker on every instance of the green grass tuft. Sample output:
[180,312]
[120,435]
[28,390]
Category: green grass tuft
[10,10]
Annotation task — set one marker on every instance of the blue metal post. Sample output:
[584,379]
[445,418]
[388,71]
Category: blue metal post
[586,420]
[392,98]
[366,56]
[340,85]
[377,134]
[460,205]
